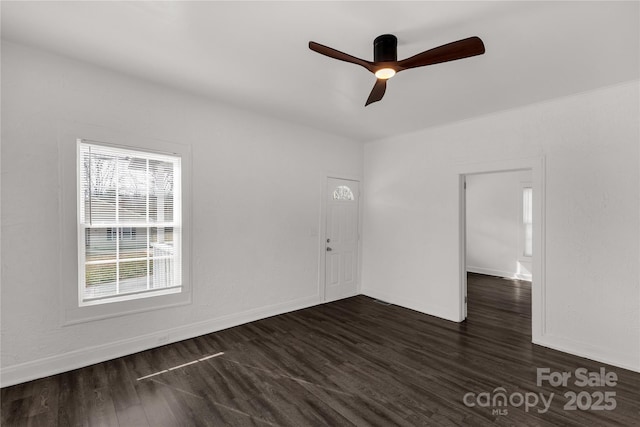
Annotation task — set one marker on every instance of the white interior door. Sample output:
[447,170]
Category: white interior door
[341,249]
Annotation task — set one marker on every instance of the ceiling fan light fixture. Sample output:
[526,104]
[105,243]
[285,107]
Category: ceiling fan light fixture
[385,73]
[385,58]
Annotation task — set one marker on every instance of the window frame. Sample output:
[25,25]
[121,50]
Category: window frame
[121,233]
[71,312]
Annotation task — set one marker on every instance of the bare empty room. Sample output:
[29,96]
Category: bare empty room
[302,213]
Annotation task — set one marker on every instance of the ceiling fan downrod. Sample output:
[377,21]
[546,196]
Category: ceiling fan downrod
[385,48]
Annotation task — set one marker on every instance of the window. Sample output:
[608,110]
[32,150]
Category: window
[527,220]
[129,227]
[343,193]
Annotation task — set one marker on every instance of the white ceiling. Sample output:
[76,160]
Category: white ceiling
[255,54]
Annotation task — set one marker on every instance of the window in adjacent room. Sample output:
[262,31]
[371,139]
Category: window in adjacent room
[129,227]
[527,221]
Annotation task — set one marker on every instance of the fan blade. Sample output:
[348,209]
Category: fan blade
[336,54]
[449,52]
[377,92]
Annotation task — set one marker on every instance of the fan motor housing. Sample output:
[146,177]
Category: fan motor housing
[385,48]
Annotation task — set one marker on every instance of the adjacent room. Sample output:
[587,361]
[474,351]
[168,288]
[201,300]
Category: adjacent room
[320,213]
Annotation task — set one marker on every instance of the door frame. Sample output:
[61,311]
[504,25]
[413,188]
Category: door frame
[538,291]
[322,235]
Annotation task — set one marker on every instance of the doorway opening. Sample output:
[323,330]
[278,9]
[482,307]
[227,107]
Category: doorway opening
[499,247]
[526,219]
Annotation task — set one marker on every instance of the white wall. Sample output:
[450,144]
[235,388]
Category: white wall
[256,202]
[590,146]
[494,224]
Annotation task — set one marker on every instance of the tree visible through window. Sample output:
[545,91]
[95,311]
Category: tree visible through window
[129,223]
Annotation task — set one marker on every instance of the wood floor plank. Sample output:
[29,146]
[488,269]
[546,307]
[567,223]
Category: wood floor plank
[122,384]
[71,399]
[157,410]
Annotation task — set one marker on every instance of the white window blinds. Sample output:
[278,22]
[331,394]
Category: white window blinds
[129,228]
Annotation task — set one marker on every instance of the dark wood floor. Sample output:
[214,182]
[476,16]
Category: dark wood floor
[351,362]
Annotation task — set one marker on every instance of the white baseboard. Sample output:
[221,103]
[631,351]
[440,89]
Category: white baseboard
[52,365]
[499,273]
[419,306]
[525,277]
[591,352]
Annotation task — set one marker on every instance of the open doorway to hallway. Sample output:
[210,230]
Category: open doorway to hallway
[499,245]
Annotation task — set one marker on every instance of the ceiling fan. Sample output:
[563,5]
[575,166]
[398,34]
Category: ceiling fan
[385,58]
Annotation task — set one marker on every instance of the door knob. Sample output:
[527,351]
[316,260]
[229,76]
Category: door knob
[329,249]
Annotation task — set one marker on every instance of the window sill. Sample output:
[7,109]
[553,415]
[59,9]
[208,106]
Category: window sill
[99,310]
